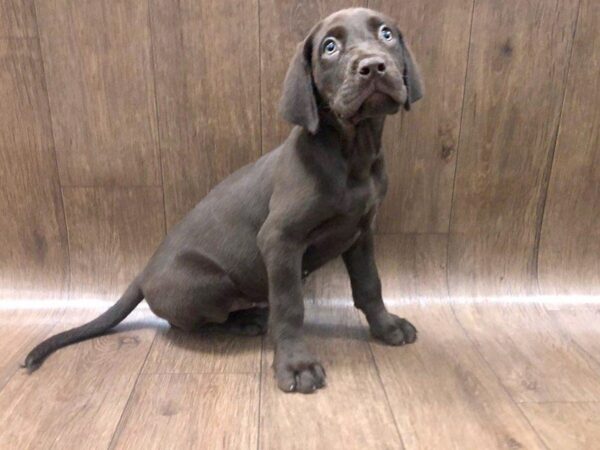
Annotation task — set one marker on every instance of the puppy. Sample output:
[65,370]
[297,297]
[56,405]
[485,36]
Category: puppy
[239,257]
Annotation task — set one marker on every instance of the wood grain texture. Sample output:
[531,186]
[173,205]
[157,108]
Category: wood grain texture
[569,259]
[581,323]
[186,411]
[112,234]
[531,355]
[352,412]
[565,426]
[412,267]
[208,92]
[514,90]
[437,393]
[17,19]
[146,92]
[284,24]
[420,146]
[22,328]
[76,398]
[443,394]
[33,252]
[176,351]
[101,88]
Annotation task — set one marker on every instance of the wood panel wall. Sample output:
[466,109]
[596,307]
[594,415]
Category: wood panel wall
[117,116]
[518,60]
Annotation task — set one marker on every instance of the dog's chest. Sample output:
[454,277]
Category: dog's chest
[365,188]
[356,210]
[337,234]
[355,207]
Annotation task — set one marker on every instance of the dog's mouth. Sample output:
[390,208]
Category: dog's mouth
[377,103]
[377,98]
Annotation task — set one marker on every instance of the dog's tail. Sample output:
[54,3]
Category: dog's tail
[115,314]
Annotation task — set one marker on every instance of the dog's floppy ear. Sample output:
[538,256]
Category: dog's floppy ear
[298,104]
[412,77]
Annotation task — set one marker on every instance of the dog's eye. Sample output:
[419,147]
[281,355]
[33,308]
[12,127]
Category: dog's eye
[385,33]
[330,47]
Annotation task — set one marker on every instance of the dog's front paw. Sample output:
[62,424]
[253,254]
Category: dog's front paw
[296,370]
[394,330]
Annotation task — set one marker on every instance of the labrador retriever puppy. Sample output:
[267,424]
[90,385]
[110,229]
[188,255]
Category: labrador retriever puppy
[240,256]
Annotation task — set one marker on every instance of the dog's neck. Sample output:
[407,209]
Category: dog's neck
[360,142]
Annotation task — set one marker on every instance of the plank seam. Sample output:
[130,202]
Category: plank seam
[260,383]
[566,334]
[541,207]
[158,137]
[262,151]
[496,376]
[110,186]
[385,394]
[120,425]
[560,402]
[460,130]
[541,437]
[51,125]
[260,85]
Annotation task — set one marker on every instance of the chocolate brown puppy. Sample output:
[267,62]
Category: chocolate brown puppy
[241,254]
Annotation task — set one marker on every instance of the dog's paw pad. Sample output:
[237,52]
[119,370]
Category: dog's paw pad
[306,379]
[398,332]
[409,331]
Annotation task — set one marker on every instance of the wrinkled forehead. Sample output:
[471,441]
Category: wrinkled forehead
[355,24]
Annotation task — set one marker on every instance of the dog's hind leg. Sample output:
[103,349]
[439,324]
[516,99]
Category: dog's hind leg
[189,300]
[242,322]
[246,322]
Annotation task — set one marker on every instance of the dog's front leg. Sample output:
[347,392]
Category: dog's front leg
[296,369]
[366,291]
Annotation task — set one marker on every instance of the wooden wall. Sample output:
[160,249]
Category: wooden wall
[117,116]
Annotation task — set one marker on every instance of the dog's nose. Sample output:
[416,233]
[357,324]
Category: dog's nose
[370,66]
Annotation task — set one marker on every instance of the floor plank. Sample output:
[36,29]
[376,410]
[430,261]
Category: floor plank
[529,353]
[467,384]
[442,392]
[176,351]
[79,392]
[566,426]
[582,324]
[352,411]
[21,330]
[17,19]
[191,411]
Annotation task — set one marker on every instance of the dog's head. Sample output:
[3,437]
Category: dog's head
[354,63]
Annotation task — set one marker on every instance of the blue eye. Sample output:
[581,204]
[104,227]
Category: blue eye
[330,46]
[385,33]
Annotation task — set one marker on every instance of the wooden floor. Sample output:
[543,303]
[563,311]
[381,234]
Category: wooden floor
[485,373]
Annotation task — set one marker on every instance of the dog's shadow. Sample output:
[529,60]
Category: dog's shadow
[217,341]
